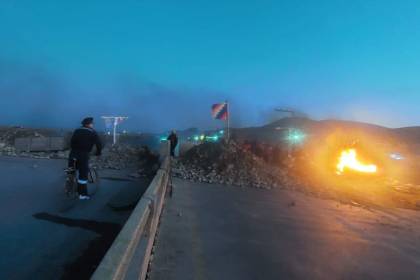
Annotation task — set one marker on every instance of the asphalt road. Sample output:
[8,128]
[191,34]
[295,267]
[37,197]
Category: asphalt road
[221,232]
[43,234]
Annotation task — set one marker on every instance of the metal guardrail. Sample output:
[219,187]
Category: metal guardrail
[129,255]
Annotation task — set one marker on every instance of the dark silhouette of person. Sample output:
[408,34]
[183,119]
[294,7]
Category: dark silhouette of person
[173,140]
[82,142]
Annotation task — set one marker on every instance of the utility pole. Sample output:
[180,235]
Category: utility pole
[115,120]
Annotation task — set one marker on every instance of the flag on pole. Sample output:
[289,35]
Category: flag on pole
[118,120]
[220,111]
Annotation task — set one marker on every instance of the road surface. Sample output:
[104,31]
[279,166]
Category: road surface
[44,235]
[220,232]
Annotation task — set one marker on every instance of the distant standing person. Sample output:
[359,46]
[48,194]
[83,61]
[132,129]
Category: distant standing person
[82,142]
[173,139]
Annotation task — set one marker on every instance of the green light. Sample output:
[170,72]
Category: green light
[196,138]
[222,131]
[295,136]
[202,137]
[214,138]
[162,139]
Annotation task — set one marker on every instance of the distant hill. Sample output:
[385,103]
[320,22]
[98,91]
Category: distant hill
[411,134]
[274,131]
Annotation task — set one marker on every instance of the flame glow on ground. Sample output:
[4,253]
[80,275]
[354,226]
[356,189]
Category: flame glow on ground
[348,160]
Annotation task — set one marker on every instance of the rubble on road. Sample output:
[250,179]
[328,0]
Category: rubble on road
[120,157]
[228,163]
[117,157]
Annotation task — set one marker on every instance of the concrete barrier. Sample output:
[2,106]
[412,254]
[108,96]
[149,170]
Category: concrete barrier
[129,255]
[164,149]
[40,144]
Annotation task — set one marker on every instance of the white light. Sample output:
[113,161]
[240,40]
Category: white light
[396,156]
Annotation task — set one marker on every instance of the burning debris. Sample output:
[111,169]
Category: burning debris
[234,164]
[349,160]
[333,166]
[227,164]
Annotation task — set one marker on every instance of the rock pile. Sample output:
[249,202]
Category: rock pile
[227,164]
[117,157]
[124,157]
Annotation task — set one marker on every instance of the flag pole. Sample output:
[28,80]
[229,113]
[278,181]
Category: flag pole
[228,120]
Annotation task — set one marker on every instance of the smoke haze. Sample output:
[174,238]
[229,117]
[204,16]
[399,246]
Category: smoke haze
[32,95]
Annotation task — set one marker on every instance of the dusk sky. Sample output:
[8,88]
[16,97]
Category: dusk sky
[164,62]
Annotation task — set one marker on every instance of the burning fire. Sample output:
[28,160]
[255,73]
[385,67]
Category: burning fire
[348,159]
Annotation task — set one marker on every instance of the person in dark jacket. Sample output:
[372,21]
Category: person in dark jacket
[82,142]
[173,140]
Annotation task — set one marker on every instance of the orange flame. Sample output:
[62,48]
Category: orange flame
[348,159]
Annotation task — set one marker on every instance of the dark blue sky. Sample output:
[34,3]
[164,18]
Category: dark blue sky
[164,62]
